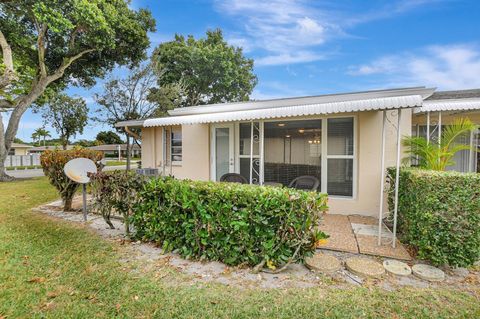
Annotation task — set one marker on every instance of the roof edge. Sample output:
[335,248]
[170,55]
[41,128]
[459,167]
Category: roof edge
[316,99]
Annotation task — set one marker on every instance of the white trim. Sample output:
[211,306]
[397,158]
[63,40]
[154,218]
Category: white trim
[382,178]
[397,178]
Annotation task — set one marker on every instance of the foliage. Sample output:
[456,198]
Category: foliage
[116,191]
[208,69]
[50,44]
[53,163]
[126,99]
[234,223]
[108,137]
[67,115]
[437,156]
[40,134]
[439,214]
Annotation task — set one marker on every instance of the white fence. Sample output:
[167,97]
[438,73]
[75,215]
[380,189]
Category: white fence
[22,160]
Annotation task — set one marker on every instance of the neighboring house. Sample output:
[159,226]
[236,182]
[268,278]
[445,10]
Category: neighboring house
[41,149]
[441,109]
[335,138]
[19,149]
[112,150]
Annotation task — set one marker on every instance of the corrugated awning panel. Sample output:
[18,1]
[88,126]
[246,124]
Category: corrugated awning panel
[449,105]
[291,111]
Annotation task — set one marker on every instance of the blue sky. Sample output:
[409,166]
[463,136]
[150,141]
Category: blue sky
[319,47]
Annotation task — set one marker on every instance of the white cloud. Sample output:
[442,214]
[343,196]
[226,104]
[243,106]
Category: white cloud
[446,67]
[294,31]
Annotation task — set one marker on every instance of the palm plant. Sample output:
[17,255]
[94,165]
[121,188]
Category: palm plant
[40,133]
[438,155]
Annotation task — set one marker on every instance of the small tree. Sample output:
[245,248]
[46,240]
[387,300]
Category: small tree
[437,156]
[108,137]
[53,163]
[127,99]
[67,115]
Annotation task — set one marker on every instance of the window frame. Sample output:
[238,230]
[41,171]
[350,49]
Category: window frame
[174,162]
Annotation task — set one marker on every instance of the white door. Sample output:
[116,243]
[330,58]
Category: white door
[222,146]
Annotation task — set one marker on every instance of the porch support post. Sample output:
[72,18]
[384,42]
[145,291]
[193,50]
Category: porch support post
[382,180]
[428,127]
[262,140]
[397,179]
[439,127]
[251,152]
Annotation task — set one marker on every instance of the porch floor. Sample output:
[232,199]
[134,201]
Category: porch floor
[358,234]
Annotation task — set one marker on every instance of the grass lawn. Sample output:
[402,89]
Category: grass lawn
[118,163]
[50,268]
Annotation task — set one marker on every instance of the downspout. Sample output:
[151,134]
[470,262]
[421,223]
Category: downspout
[382,180]
[397,179]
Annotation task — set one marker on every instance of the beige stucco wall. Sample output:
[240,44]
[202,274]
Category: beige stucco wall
[195,152]
[21,151]
[196,157]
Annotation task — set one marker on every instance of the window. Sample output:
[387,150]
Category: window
[340,156]
[292,149]
[176,145]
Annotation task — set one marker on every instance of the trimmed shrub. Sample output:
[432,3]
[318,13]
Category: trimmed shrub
[53,161]
[233,223]
[439,214]
[116,191]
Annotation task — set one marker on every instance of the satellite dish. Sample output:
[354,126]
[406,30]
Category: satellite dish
[77,169]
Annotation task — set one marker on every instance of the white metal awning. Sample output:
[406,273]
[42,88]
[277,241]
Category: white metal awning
[449,105]
[374,104]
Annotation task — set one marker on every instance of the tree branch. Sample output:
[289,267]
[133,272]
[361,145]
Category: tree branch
[65,64]
[42,30]
[9,73]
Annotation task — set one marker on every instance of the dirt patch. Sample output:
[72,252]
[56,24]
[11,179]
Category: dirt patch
[146,257]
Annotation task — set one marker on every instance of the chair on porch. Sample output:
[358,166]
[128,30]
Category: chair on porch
[305,182]
[233,178]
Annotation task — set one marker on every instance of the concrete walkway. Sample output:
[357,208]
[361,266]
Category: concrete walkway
[30,173]
[358,234]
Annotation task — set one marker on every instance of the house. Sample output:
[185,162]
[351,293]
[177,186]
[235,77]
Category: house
[41,149]
[440,109]
[338,139]
[112,150]
[19,149]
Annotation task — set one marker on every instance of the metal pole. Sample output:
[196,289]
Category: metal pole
[84,191]
[439,127]
[262,140]
[382,180]
[397,179]
[428,127]
[251,151]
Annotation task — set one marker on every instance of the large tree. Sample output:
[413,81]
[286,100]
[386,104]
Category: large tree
[210,70]
[125,99]
[49,44]
[67,115]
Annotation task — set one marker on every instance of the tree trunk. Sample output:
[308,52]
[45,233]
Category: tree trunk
[128,152]
[67,206]
[7,136]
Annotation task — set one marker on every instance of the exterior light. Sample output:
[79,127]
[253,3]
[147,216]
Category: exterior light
[287,136]
[281,124]
[301,130]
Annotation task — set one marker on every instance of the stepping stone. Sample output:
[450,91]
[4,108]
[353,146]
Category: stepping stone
[364,267]
[397,267]
[323,263]
[428,272]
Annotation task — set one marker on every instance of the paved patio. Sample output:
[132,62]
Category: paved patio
[358,234]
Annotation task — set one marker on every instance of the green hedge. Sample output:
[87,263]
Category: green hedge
[233,223]
[439,214]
